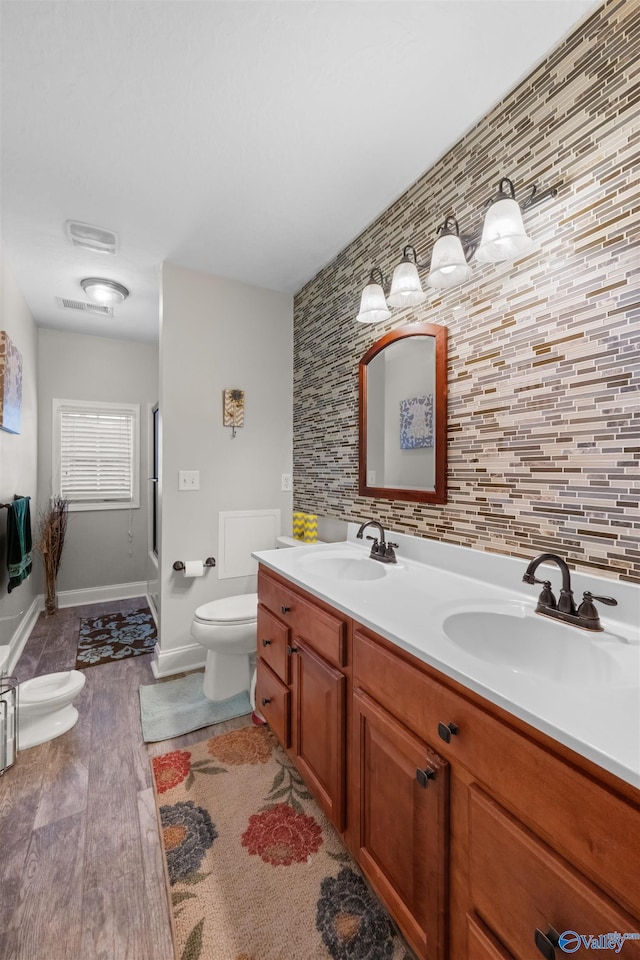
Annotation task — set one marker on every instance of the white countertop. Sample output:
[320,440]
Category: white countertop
[598,718]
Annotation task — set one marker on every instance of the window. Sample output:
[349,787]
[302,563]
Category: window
[96,454]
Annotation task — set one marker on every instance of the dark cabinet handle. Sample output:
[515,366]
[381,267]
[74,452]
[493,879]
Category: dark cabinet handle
[547,942]
[292,649]
[423,776]
[265,701]
[446,731]
[285,609]
[266,643]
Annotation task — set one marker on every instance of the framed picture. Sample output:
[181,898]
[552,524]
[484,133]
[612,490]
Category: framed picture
[10,384]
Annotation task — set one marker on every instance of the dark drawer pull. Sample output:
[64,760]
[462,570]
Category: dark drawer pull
[423,776]
[292,649]
[266,643]
[265,701]
[285,609]
[446,731]
[547,942]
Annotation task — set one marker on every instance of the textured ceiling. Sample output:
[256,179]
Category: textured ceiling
[251,140]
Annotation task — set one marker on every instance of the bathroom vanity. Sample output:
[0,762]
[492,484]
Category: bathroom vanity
[486,830]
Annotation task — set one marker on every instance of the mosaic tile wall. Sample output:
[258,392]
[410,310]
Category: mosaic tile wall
[544,355]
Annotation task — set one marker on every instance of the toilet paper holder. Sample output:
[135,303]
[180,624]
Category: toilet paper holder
[179,564]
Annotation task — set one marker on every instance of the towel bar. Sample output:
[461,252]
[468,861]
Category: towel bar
[179,565]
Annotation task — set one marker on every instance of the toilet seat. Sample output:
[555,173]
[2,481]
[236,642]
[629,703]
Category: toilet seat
[50,687]
[239,609]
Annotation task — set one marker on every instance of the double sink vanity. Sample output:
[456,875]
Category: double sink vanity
[480,761]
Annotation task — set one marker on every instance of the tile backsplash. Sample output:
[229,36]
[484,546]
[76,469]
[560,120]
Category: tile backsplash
[544,354]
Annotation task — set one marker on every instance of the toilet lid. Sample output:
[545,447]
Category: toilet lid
[237,609]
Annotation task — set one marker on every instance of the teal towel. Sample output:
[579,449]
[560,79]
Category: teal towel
[18,541]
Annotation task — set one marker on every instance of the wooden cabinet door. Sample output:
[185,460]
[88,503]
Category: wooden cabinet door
[319,729]
[482,944]
[402,802]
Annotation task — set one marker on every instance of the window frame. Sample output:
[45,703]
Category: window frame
[95,407]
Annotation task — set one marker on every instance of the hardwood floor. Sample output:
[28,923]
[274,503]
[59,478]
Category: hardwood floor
[81,875]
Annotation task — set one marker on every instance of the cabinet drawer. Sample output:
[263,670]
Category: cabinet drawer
[482,945]
[273,595]
[519,886]
[273,700]
[322,630]
[604,841]
[273,639]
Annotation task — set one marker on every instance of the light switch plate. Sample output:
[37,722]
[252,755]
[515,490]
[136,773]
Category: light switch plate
[188,480]
[287,482]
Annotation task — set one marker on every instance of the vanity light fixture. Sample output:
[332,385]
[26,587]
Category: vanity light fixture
[406,288]
[503,234]
[104,291]
[502,237]
[449,265]
[373,304]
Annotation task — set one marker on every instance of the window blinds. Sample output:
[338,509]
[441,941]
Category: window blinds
[96,455]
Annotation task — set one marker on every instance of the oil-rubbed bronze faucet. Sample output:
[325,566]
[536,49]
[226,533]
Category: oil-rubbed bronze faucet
[385,552]
[585,616]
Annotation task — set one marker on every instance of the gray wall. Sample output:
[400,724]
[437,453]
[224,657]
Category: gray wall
[18,452]
[76,367]
[218,334]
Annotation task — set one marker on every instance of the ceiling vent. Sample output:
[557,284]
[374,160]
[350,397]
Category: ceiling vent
[87,307]
[88,237]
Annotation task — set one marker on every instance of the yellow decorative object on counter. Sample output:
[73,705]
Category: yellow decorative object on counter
[298,525]
[310,528]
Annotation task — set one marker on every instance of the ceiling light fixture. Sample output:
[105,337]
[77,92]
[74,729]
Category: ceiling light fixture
[502,237]
[104,291]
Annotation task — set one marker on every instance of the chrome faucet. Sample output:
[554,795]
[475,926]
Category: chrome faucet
[380,550]
[585,616]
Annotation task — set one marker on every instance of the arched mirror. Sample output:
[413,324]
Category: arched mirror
[403,415]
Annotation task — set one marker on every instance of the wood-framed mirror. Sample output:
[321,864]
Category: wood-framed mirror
[403,415]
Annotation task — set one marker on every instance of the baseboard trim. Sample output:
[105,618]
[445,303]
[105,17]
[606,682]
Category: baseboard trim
[114,591]
[22,634]
[166,663]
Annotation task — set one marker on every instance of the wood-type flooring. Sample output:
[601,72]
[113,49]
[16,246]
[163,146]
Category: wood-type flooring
[81,874]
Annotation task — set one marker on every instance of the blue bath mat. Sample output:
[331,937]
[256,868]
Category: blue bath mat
[115,636]
[175,707]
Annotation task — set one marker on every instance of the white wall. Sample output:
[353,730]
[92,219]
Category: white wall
[217,334]
[18,455]
[72,366]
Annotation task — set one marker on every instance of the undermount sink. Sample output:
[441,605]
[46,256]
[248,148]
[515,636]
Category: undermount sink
[535,646]
[340,566]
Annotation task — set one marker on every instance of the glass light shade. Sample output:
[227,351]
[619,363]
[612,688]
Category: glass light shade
[449,265]
[373,305]
[406,289]
[104,291]
[503,233]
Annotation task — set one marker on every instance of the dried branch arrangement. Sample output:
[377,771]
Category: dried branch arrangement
[51,534]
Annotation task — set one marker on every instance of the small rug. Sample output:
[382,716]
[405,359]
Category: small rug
[175,707]
[115,636]
[255,870]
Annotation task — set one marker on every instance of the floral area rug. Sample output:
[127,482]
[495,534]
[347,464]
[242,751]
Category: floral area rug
[115,636]
[255,869]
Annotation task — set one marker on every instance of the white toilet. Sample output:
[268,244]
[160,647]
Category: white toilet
[227,629]
[45,706]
